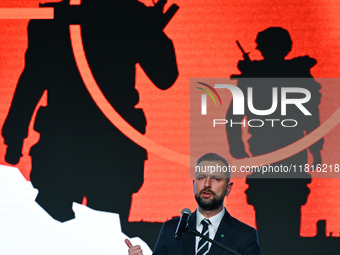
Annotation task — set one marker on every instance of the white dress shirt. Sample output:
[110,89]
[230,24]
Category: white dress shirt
[215,222]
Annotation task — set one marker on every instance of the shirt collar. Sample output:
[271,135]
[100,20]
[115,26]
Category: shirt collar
[214,220]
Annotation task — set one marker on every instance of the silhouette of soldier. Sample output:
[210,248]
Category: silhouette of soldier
[277,199]
[80,153]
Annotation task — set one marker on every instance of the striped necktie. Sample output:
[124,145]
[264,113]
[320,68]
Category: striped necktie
[203,245]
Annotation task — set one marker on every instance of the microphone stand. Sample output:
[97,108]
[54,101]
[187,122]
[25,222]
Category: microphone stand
[196,233]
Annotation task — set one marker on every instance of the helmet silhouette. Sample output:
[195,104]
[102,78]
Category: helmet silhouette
[274,43]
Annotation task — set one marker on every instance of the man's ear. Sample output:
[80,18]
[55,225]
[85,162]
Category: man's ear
[229,188]
[193,185]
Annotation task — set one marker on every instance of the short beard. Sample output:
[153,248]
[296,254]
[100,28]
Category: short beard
[211,204]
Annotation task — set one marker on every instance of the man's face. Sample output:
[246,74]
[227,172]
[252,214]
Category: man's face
[211,187]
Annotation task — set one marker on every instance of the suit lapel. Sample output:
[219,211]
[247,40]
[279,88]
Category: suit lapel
[223,235]
[188,239]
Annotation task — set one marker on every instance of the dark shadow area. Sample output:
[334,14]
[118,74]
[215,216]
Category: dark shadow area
[277,200]
[80,153]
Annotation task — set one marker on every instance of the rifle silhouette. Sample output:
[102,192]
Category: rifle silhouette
[246,58]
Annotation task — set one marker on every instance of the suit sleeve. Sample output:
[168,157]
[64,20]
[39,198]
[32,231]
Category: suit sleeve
[252,246]
[161,247]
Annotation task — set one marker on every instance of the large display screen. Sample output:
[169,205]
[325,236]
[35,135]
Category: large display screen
[40,60]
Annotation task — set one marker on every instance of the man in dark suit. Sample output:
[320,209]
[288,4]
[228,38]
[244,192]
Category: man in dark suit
[210,218]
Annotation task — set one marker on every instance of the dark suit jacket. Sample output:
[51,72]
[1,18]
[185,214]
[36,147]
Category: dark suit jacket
[231,233]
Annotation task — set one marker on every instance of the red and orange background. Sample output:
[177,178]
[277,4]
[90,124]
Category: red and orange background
[204,34]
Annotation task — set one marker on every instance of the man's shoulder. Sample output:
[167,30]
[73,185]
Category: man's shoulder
[241,226]
[172,222]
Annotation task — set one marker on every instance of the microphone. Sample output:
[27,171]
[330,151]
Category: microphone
[182,224]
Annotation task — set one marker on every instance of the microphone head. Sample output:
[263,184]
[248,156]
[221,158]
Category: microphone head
[182,224]
[186,211]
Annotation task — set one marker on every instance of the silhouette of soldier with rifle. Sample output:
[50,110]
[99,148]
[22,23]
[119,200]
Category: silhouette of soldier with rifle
[80,153]
[277,197]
